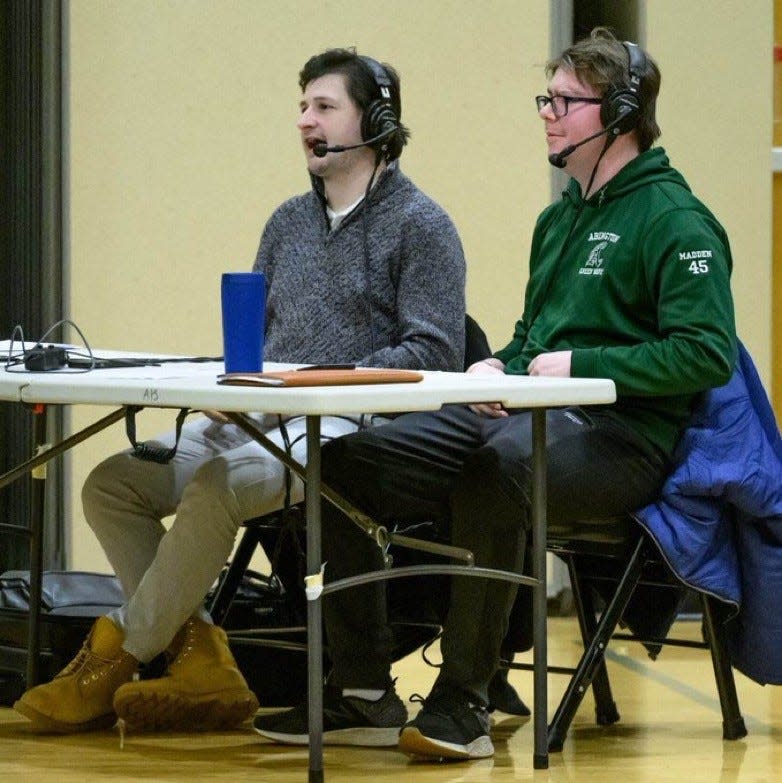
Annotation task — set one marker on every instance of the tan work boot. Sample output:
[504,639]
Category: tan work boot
[79,697]
[202,690]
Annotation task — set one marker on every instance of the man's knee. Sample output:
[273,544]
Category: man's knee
[124,484]
[210,491]
[494,487]
[104,484]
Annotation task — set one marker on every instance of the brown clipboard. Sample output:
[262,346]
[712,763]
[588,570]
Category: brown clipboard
[332,377]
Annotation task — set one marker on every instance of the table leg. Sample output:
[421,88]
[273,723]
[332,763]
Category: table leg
[37,497]
[540,709]
[314,580]
[314,622]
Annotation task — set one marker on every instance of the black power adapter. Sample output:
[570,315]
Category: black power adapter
[45,357]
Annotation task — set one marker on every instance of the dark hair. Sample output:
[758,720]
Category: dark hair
[602,62]
[361,86]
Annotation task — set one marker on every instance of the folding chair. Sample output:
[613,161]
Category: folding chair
[616,561]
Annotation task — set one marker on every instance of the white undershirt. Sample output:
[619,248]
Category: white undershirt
[335,218]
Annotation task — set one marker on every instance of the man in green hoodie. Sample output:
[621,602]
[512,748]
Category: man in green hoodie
[629,280]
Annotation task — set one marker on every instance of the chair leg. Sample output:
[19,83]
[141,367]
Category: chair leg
[594,654]
[732,722]
[606,711]
[229,584]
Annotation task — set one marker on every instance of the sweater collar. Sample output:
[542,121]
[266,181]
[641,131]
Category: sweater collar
[387,176]
[386,183]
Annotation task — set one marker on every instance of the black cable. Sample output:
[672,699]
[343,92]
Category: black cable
[26,354]
[286,442]
[68,321]
[77,361]
[367,259]
[609,140]
[11,359]
[557,266]
[146,451]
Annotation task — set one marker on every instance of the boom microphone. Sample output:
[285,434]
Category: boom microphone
[559,159]
[320,149]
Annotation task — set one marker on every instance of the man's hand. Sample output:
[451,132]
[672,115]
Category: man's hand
[489,366]
[555,364]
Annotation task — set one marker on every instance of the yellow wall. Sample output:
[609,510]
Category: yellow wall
[182,141]
[716,111]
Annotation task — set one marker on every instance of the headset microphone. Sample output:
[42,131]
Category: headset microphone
[558,159]
[320,149]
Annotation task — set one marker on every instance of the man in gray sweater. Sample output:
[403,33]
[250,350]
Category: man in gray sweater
[363,269]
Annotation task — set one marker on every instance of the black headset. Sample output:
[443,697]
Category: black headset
[379,117]
[622,105]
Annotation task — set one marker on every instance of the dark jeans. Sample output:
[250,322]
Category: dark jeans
[469,474]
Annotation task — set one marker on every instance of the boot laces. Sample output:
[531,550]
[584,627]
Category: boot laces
[445,701]
[121,727]
[77,663]
[187,644]
[88,665]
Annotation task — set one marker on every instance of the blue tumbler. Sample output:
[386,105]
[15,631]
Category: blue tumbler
[243,297]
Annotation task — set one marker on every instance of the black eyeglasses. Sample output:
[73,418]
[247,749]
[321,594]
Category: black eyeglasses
[560,103]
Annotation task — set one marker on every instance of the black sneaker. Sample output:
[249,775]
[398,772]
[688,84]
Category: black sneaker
[503,696]
[449,726]
[347,720]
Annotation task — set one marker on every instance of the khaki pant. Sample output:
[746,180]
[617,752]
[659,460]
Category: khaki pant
[218,478]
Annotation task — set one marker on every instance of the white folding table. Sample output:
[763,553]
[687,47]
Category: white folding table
[194,386]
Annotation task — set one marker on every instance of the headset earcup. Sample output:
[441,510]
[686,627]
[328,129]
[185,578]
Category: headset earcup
[377,118]
[620,104]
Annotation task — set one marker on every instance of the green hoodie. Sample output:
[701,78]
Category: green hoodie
[636,282]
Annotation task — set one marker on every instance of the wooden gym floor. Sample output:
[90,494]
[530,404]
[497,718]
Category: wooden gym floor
[670,731]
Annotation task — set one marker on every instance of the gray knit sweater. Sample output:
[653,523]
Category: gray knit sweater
[317,301]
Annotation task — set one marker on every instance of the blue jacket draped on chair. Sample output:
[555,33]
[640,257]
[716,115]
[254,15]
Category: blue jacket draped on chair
[719,520]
